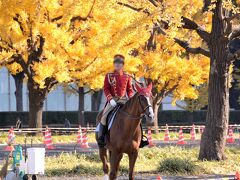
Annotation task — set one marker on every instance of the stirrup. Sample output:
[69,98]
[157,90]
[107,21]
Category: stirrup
[144,142]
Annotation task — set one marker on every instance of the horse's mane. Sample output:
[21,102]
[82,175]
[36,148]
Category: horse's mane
[130,107]
[130,102]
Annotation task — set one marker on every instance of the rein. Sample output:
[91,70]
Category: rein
[134,116]
[131,115]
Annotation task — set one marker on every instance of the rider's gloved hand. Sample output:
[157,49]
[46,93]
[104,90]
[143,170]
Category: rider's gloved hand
[113,103]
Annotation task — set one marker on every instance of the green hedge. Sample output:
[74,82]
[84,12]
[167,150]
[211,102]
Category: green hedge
[165,117]
[49,117]
[174,117]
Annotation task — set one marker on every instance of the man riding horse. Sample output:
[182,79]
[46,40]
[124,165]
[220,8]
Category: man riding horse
[125,135]
[117,89]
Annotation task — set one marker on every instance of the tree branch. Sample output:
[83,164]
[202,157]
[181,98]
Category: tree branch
[9,45]
[180,106]
[77,90]
[74,88]
[17,19]
[89,64]
[229,23]
[56,18]
[146,11]
[153,2]
[18,58]
[228,19]
[198,50]
[49,83]
[234,49]
[235,33]
[35,49]
[79,18]
[129,6]
[189,24]
[91,9]
[237,54]
[207,3]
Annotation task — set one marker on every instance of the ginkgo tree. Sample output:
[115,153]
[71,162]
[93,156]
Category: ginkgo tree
[208,28]
[218,41]
[196,104]
[146,63]
[58,41]
[172,72]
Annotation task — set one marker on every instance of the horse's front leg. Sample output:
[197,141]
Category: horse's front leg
[115,159]
[103,157]
[132,160]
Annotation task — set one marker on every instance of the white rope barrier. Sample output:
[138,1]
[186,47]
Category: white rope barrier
[93,128]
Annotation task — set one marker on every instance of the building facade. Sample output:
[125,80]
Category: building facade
[57,100]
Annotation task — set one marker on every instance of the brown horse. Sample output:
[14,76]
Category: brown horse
[125,133]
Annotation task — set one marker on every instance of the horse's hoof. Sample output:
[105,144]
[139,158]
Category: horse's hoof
[106,177]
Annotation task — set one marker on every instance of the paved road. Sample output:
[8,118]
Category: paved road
[138,177]
[70,147]
[145,177]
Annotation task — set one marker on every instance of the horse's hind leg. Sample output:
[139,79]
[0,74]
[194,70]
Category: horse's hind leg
[120,157]
[114,164]
[132,160]
[103,157]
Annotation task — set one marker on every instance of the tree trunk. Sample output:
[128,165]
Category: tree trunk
[96,100]
[36,102]
[81,105]
[213,138]
[18,79]
[156,110]
[157,101]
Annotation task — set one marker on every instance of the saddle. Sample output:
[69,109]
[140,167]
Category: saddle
[112,114]
[110,119]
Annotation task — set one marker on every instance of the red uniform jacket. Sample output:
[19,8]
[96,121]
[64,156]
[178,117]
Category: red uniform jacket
[117,85]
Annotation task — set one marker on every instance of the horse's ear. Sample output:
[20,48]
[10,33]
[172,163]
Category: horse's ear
[138,88]
[149,87]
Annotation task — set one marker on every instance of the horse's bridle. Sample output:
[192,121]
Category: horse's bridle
[142,113]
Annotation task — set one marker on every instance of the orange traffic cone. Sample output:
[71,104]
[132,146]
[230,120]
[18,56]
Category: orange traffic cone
[10,140]
[79,135]
[230,138]
[166,136]
[159,177]
[84,143]
[237,176]
[48,139]
[149,136]
[193,133]
[201,129]
[181,138]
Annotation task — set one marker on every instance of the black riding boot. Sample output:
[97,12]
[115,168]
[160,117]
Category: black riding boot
[101,135]
[144,140]
[143,143]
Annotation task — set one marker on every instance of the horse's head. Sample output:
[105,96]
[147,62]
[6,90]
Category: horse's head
[145,101]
